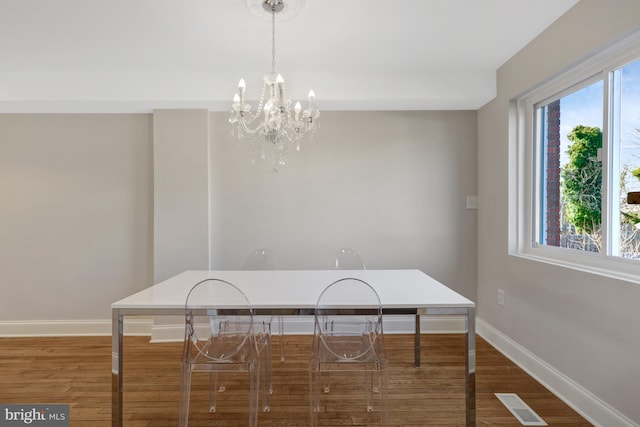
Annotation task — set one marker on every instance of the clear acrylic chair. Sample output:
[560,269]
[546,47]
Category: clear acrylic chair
[261,259]
[346,259]
[221,336]
[265,259]
[348,341]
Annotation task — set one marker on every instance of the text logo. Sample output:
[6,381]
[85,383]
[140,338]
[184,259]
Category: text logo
[34,415]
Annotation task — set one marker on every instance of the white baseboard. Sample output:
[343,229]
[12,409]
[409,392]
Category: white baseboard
[303,325]
[62,328]
[163,331]
[593,409]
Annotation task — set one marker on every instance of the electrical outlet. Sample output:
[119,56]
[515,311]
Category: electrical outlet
[472,202]
[501,297]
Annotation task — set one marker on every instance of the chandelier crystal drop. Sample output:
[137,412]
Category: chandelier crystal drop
[275,126]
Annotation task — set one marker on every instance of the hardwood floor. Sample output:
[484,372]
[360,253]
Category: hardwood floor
[77,371]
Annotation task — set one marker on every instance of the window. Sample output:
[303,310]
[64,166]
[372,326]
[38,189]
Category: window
[569,138]
[579,168]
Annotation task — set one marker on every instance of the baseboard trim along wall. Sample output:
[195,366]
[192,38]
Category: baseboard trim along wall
[162,331]
[596,411]
[64,328]
[303,325]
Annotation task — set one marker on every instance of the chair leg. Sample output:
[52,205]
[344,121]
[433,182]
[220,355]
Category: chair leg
[265,375]
[383,378]
[185,391]
[254,389]
[314,392]
[281,331]
[213,390]
[324,378]
[216,385]
[369,385]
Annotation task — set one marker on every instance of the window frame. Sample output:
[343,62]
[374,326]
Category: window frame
[525,160]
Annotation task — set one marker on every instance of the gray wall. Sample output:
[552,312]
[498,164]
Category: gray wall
[87,201]
[181,192]
[391,185]
[75,214]
[583,325]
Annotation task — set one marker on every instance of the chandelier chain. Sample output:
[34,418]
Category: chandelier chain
[273,40]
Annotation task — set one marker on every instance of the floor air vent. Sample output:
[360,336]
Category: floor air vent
[520,410]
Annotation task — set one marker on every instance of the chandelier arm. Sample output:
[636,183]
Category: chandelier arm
[244,126]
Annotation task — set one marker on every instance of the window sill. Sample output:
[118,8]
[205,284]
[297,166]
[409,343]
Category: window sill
[610,267]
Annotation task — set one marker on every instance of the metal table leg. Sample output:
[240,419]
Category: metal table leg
[116,368]
[416,340]
[470,367]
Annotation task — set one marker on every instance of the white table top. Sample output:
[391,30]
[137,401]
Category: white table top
[300,289]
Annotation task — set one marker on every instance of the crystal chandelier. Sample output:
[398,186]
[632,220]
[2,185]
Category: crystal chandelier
[274,127]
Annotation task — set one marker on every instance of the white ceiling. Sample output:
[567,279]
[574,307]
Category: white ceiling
[136,55]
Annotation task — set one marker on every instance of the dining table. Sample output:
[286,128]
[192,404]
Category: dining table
[401,292]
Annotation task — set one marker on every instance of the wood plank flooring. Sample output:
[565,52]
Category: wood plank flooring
[77,371]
